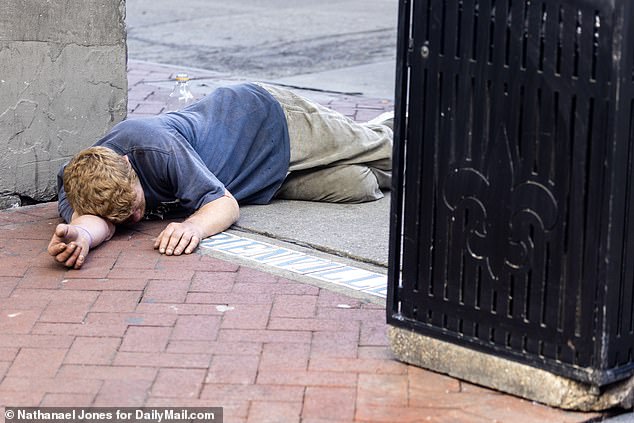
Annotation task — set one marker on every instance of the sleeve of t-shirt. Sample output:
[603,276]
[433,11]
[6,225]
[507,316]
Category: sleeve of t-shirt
[178,172]
[194,184]
[63,206]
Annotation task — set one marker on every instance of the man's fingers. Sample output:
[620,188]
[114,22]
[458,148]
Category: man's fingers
[193,243]
[61,230]
[55,248]
[167,240]
[177,239]
[182,244]
[66,253]
[164,239]
[58,244]
[187,244]
[80,260]
[159,239]
[67,247]
[72,261]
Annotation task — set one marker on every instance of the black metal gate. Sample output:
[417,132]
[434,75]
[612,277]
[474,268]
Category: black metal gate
[512,227]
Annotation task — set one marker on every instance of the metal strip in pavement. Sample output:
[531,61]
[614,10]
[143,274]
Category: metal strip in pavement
[294,261]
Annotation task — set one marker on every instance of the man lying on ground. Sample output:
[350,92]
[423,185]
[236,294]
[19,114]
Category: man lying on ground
[241,144]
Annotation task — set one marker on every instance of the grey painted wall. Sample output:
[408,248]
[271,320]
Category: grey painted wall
[63,84]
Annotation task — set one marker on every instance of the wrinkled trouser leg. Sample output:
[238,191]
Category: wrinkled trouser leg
[333,158]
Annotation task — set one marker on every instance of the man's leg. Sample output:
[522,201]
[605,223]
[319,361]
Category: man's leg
[321,137]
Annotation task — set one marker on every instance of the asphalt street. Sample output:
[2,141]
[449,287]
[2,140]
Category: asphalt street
[263,38]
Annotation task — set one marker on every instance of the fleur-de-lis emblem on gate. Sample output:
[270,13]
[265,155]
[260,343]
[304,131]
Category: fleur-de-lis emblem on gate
[501,210]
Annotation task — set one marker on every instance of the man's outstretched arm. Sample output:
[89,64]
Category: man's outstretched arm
[71,243]
[210,219]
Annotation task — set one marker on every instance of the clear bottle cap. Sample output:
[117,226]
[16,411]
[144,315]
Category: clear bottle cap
[182,77]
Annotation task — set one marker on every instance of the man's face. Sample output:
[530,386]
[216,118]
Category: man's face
[138,208]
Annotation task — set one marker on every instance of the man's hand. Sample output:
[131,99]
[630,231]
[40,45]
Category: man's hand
[210,219]
[178,238]
[69,245]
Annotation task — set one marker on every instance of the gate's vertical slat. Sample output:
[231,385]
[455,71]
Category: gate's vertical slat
[402,73]
[485,283]
[600,121]
[429,45]
[458,267]
[446,127]
[624,330]
[413,167]
[504,292]
[517,78]
[498,287]
[620,348]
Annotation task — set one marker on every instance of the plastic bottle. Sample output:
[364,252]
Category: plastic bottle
[181,94]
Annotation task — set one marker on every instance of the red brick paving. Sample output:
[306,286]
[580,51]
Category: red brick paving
[134,328]
[126,332]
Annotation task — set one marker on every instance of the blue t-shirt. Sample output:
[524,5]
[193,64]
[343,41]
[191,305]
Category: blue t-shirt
[234,138]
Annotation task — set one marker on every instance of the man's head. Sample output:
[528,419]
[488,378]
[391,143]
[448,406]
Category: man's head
[100,182]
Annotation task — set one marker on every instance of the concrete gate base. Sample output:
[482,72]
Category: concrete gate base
[506,375]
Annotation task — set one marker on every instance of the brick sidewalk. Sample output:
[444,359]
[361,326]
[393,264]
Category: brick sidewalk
[134,328]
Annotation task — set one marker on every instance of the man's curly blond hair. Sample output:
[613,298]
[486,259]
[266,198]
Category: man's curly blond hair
[100,182]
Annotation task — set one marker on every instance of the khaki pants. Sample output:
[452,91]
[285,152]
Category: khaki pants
[333,158]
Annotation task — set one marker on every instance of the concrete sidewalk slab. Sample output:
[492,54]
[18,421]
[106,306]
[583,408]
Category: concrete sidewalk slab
[356,231]
[374,80]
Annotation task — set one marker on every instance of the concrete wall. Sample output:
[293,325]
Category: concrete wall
[62,85]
